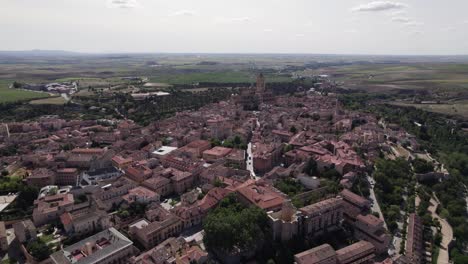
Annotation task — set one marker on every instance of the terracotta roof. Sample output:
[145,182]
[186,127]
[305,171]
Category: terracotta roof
[316,255]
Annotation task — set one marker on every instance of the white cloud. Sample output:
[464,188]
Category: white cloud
[414,24]
[401,19]
[233,20]
[122,3]
[184,12]
[378,6]
[407,21]
[241,19]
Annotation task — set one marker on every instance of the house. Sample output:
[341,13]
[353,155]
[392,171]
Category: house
[67,176]
[3,237]
[93,177]
[25,231]
[158,226]
[160,185]
[138,172]
[50,208]
[106,247]
[323,216]
[262,196]
[41,177]
[216,153]
[141,194]
[84,221]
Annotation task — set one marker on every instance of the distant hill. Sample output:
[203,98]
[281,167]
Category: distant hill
[39,53]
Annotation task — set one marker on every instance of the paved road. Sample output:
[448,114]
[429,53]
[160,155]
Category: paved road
[446,231]
[375,204]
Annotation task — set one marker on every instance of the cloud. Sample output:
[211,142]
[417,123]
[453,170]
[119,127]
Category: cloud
[401,19]
[376,6]
[414,24]
[184,12]
[233,20]
[126,4]
[407,21]
[241,19]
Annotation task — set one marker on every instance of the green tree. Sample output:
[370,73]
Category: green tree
[39,250]
[293,130]
[233,226]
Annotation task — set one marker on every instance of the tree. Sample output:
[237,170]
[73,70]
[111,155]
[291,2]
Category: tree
[27,196]
[311,168]
[233,226]
[422,166]
[293,130]
[39,250]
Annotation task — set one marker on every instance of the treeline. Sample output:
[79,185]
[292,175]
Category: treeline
[155,108]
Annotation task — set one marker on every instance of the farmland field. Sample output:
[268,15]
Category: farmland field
[8,95]
[49,101]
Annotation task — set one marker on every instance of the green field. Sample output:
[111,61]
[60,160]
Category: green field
[455,108]
[215,77]
[438,78]
[49,101]
[8,95]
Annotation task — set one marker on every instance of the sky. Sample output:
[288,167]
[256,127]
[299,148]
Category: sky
[402,27]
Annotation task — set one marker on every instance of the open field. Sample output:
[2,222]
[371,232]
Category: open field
[8,95]
[49,101]
[214,77]
[455,108]
[441,79]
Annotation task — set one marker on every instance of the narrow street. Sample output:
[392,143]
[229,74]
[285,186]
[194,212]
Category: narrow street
[446,231]
[375,204]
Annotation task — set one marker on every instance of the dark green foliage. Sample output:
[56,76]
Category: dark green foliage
[311,168]
[422,166]
[289,186]
[233,226]
[38,249]
[134,209]
[392,177]
[235,142]
[26,196]
[293,130]
[331,174]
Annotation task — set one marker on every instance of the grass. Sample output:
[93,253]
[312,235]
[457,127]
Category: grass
[456,108]
[8,95]
[47,238]
[49,101]
[218,77]
[435,255]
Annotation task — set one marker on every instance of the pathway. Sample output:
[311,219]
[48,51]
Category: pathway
[446,231]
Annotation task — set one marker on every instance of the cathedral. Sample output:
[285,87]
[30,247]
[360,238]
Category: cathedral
[252,98]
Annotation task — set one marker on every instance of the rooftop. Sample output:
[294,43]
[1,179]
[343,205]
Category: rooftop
[93,249]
